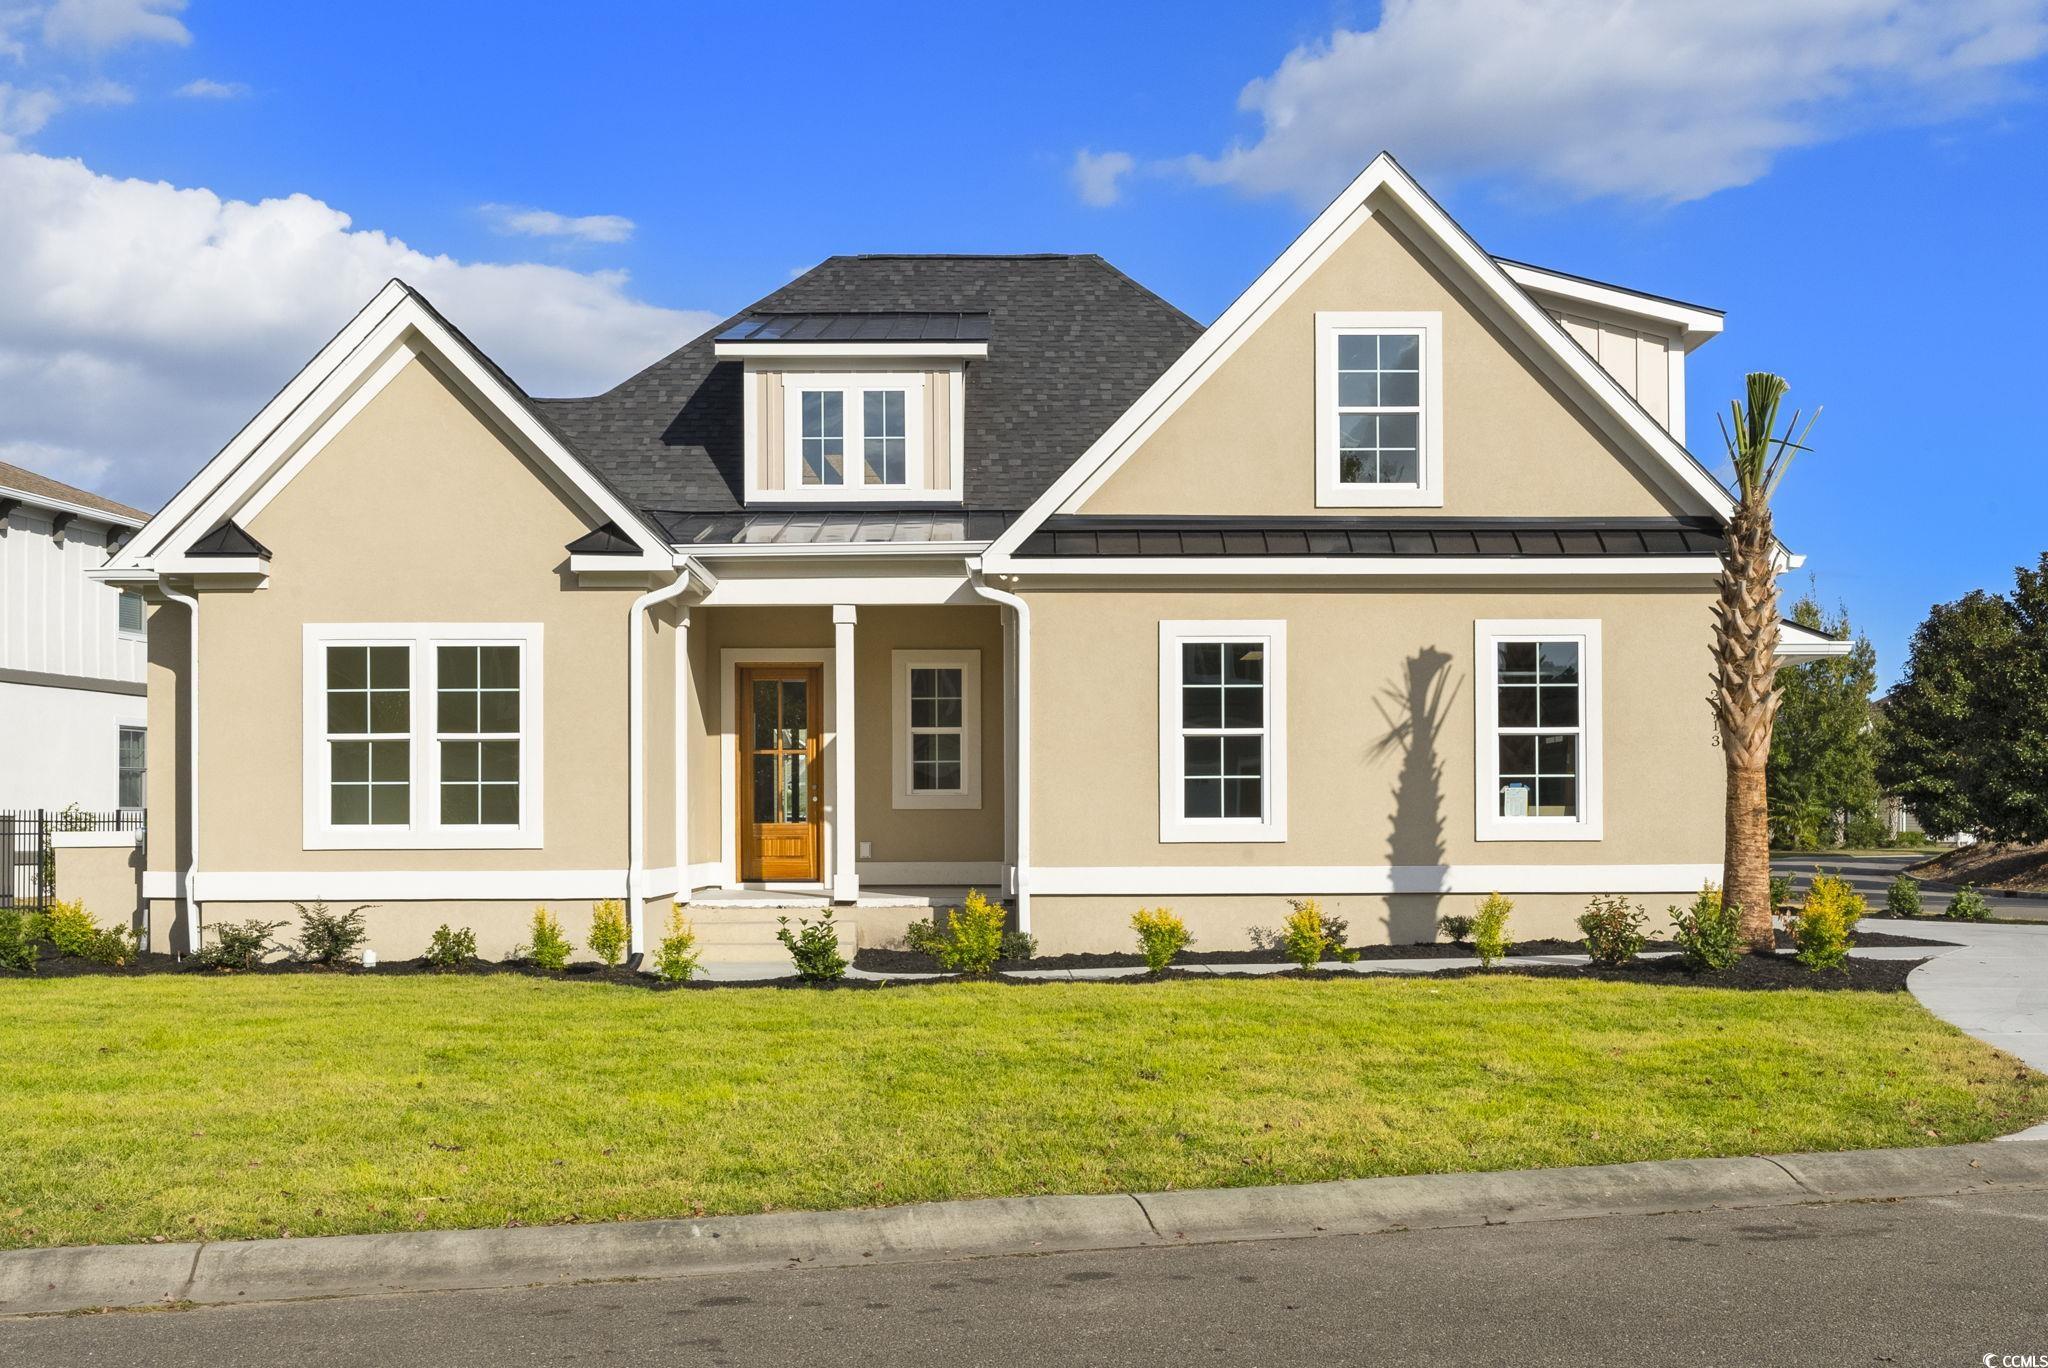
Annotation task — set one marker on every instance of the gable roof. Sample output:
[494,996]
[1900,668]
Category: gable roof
[1073,341]
[16,482]
[1660,456]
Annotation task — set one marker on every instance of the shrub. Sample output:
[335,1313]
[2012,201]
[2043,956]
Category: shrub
[1613,928]
[1709,933]
[328,937]
[1781,890]
[608,936]
[971,941]
[814,945]
[550,948]
[1161,936]
[1968,905]
[450,948]
[114,945]
[1019,945]
[69,928]
[1902,899]
[1305,935]
[239,945]
[1820,929]
[676,959]
[1458,928]
[1490,939]
[20,929]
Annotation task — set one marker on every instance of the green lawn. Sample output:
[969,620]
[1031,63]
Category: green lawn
[232,1107]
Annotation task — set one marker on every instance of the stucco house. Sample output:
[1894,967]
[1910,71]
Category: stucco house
[924,572]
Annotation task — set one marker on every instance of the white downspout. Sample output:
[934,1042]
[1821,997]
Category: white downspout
[1022,778]
[636,762]
[194,928]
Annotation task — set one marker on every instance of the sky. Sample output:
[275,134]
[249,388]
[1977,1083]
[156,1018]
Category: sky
[194,196]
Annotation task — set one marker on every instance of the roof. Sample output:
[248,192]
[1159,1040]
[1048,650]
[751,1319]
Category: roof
[17,482]
[821,527]
[1797,643]
[1086,535]
[227,540]
[858,327]
[1078,342]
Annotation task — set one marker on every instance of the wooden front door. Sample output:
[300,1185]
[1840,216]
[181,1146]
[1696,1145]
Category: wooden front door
[782,802]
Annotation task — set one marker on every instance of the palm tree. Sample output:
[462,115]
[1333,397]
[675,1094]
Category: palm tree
[1746,644]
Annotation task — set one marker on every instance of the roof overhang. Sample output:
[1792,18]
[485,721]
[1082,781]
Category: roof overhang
[850,351]
[1797,644]
[10,497]
[1692,324]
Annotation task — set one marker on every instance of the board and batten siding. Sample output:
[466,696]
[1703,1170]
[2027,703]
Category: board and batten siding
[53,620]
[767,439]
[1641,360]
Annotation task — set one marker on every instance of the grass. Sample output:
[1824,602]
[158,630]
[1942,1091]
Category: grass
[234,1107]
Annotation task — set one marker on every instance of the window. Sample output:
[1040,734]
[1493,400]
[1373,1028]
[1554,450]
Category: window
[882,436]
[824,437]
[1539,730]
[937,747]
[422,736]
[134,620]
[1379,410]
[134,768]
[853,436]
[1222,731]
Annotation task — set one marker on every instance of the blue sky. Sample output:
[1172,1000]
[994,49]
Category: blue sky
[1859,183]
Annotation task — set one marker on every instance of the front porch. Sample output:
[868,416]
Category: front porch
[736,926]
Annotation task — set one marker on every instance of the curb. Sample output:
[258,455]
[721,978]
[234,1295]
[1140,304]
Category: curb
[38,1281]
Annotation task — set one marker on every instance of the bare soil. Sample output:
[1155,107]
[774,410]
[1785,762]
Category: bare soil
[1989,865]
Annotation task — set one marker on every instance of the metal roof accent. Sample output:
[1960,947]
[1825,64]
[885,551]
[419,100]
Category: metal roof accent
[1165,536]
[228,539]
[811,526]
[607,539]
[858,327]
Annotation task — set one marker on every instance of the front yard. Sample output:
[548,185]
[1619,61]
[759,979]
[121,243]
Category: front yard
[179,1107]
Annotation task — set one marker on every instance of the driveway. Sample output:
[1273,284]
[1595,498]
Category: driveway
[1870,875]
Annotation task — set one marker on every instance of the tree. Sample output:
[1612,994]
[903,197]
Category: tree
[1823,767]
[1745,693]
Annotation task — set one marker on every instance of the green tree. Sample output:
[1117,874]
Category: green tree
[1943,725]
[1823,768]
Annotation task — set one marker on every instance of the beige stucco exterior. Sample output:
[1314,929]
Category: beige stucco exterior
[1244,441]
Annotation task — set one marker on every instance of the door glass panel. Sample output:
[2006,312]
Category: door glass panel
[764,714]
[795,726]
[794,795]
[764,788]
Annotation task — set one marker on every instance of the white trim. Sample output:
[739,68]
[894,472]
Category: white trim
[395,885]
[1016,743]
[845,877]
[853,387]
[1174,826]
[1364,567]
[1488,824]
[796,589]
[1428,491]
[1612,408]
[829,352]
[387,370]
[1696,324]
[726,873]
[93,840]
[1797,644]
[987,874]
[83,512]
[1153,881]
[424,831]
[967,661]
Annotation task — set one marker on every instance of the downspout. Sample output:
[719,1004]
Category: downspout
[636,762]
[1022,779]
[194,928]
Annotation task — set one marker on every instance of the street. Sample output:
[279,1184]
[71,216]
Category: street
[1870,875]
[1927,1281]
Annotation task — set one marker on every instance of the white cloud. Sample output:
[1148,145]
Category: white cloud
[99,25]
[1654,101]
[23,112]
[514,221]
[141,323]
[1098,176]
[206,88]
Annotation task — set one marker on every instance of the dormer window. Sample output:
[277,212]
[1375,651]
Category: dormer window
[857,430]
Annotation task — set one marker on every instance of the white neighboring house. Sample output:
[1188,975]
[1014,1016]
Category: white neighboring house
[73,652]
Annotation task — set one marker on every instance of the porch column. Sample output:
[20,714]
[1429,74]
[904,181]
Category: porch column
[845,876]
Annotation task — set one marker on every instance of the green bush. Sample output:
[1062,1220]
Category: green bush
[1709,933]
[1781,890]
[329,937]
[1902,899]
[1490,939]
[1613,928]
[608,935]
[971,941]
[1305,935]
[814,945]
[239,945]
[1968,905]
[113,945]
[1019,945]
[20,929]
[550,948]
[1161,936]
[69,928]
[1820,929]
[1458,928]
[676,959]
[450,948]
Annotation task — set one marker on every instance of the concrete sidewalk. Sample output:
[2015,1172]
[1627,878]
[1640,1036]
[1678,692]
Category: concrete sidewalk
[243,1272]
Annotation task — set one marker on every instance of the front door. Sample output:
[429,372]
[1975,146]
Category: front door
[782,811]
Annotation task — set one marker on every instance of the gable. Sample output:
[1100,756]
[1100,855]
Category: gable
[1514,443]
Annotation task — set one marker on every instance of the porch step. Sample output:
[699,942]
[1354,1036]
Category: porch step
[732,935]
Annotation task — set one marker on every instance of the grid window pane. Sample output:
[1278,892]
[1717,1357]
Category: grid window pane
[477,714]
[1379,408]
[938,719]
[134,767]
[1223,729]
[823,438]
[882,436]
[1540,720]
[369,724]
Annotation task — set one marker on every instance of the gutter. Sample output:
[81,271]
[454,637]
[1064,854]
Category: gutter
[1022,777]
[636,759]
[195,927]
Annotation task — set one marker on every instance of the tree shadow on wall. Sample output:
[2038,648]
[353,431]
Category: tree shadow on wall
[1414,708]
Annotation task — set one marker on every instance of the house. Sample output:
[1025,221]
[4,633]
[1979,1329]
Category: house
[1389,587]
[73,722]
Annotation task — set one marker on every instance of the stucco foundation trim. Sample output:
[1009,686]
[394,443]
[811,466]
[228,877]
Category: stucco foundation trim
[440,885]
[1187,880]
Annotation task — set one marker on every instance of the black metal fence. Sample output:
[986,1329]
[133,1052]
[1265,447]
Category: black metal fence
[26,865]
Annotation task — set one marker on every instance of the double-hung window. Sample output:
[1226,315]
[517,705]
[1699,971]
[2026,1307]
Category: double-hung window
[937,750]
[1538,713]
[422,735]
[134,767]
[133,614]
[858,434]
[1222,731]
[1379,410]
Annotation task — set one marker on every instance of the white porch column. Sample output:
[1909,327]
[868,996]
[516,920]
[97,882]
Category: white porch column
[845,874]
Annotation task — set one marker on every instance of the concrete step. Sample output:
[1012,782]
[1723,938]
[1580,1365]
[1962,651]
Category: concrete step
[727,935]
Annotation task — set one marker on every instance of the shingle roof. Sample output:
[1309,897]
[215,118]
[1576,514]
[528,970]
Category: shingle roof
[14,477]
[1075,343]
[858,327]
[1085,535]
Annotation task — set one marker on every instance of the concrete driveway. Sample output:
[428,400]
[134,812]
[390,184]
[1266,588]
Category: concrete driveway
[1870,875]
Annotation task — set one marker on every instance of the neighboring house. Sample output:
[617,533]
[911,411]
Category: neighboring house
[72,651]
[1391,587]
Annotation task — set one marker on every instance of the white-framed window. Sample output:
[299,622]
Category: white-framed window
[1538,752]
[936,750]
[1379,410]
[132,783]
[857,435]
[422,736]
[1223,731]
[133,614]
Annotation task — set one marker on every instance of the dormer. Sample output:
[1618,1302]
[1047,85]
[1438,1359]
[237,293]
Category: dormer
[854,407]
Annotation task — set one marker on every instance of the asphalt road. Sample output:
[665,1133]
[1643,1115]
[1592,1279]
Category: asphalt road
[1872,874]
[1933,1281]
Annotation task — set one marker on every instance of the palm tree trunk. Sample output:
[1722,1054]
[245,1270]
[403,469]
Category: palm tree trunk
[1747,874]
[1746,703]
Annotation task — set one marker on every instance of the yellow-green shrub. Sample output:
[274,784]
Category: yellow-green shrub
[1490,939]
[550,948]
[676,959]
[1161,936]
[69,927]
[1305,935]
[1821,926]
[608,935]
